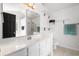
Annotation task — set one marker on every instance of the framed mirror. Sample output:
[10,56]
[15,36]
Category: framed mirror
[9,25]
[14,20]
[33,23]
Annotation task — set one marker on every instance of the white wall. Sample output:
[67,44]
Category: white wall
[69,41]
[0,21]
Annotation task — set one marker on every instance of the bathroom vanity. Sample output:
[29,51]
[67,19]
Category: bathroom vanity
[37,46]
[43,47]
[28,36]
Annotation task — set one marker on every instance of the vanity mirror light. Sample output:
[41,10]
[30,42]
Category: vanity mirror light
[33,23]
[14,21]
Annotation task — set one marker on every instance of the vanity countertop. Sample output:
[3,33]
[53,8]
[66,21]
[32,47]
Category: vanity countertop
[11,45]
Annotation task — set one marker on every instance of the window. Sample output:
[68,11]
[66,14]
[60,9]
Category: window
[70,29]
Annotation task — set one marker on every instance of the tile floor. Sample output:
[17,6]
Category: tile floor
[60,51]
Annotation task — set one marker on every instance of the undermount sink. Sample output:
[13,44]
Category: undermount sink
[33,37]
[29,38]
[20,46]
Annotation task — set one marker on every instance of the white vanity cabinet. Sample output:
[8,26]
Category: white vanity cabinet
[41,48]
[46,47]
[50,46]
[34,50]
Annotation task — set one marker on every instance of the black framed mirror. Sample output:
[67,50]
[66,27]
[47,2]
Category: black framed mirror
[14,20]
[9,25]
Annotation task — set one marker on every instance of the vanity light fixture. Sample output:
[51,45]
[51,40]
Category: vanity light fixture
[30,5]
[52,21]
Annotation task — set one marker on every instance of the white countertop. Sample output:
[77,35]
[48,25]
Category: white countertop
[11,45]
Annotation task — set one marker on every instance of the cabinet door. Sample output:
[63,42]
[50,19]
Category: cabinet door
[50,46]
[21,52]
[34,50]
[46,47]
[43,48]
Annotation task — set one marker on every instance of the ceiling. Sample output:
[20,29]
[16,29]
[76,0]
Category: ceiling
[52,7]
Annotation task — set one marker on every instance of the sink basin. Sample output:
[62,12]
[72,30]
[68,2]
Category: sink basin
[33,37]
[20,46]
[29,38]
[36,37]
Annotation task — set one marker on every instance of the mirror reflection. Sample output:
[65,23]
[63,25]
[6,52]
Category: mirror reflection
[33,23]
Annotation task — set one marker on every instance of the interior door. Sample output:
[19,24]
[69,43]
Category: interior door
[9,25]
